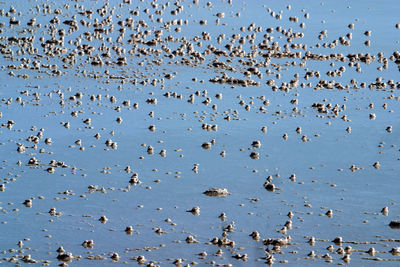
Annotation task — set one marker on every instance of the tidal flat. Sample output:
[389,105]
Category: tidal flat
[220,133]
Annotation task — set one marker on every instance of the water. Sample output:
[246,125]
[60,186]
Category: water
[321,164]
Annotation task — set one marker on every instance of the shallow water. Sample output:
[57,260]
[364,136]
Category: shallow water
[321,163]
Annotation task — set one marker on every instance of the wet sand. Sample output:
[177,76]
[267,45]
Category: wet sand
[222,133]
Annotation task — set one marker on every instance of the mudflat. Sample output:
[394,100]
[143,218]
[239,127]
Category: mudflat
[220,133]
